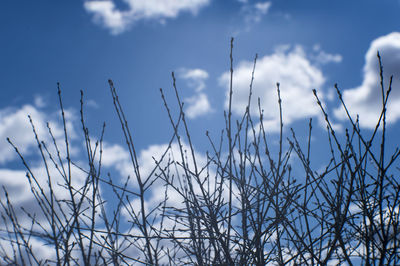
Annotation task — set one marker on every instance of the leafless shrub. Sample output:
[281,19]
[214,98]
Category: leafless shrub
[239,205]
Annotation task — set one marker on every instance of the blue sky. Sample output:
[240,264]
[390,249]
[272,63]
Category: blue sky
[304,45]
[82,44]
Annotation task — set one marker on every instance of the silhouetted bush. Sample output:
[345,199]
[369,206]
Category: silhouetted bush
[239,204]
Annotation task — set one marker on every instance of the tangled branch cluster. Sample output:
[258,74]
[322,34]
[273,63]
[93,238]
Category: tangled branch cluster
[246,204]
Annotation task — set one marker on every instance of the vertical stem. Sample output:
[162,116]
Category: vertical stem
[230,147]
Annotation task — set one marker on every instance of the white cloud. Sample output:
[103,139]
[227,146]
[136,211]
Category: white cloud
[297,76]
[92,104]
[118,157]
[42,250]
[323,57]
[175,173]
[195,78]
[366,99]
[262,7]
[174,154]
[14,123]
[107,14]
[39,101]
[253,13]
[198,104]
[20,196]
[15,181]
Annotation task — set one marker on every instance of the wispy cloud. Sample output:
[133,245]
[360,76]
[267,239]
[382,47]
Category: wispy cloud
[195,78]
[323,57]
[366,99]
[117,21]
[198,104]
[253,12]
[297,73]
[262,7]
